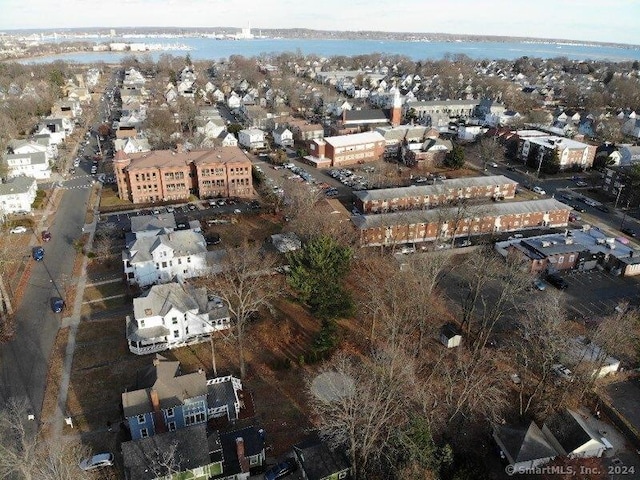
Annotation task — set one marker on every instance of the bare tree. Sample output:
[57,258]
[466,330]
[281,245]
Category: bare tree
[489,150]
[363,407]
[25,456]
[246,285]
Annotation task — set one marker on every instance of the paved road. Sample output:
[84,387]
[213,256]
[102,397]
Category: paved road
[24,360]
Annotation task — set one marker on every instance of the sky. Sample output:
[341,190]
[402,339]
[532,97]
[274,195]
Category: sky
[587,20]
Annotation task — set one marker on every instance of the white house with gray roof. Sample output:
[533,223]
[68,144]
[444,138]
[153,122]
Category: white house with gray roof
[17,195]
[33,165]
[174,315]
[150,260]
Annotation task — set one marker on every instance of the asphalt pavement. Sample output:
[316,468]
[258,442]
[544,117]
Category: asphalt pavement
[24,361]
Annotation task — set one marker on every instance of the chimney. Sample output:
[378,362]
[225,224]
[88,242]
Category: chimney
[242,460]
[155,400]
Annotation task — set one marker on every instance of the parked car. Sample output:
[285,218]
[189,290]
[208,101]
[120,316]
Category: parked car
[577,208]
[46,236]
[407,249]
[57,304]
[170,210]
[603,208]
[629,231]
[574,217]
[539,284]
[19,229]
[591,203]
[281,470]
[37,253]
[539,190]
[97,461]
[191,206]
[581,183]
[557,281]
[493,164]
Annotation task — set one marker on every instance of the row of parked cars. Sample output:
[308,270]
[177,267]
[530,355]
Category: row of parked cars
[349,178]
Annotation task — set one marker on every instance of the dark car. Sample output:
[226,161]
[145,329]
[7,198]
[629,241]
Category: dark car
[577,207]
[281,470]
[37,253]
[57,304]
[46,236]
[603,208]
[557,281]
[213,239]
[628,231]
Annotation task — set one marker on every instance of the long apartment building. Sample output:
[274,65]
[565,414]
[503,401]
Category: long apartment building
[497,187]
[416,226]
[166,175]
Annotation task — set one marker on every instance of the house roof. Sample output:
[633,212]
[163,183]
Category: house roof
[182,242]
[143,223]
[222,393]
[145,334]
[16,185]
[365,115]
[172,389]
[160,299]
[142,458]
[318,460]
[523,444]
[253,441]
[569,430]
[37,158]
[354,139]
[438,189]
[428,216]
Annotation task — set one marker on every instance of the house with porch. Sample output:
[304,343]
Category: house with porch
[174,315]
[33,165]
[319,462]
[165,400]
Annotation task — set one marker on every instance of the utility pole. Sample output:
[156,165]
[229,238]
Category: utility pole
[618,195]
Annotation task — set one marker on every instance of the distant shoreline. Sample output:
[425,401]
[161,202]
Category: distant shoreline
[308,34]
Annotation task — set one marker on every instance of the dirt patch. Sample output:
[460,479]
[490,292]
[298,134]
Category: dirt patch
[258,227]
[54,376]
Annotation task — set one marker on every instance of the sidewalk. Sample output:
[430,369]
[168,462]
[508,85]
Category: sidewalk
[73,323]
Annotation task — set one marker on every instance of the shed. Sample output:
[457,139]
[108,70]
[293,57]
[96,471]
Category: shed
[450,335]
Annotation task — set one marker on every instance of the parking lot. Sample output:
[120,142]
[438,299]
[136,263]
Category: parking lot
[595,293]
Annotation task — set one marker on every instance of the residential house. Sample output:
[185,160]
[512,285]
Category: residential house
[445,191]
[234,101]
[571,436]
[243,451]
[17,195]
[58,128]
[428,153]
[283,137]
[226,139]
[251,138]
[173,315]
[212,128]
[152,225]
[33,165]
[304,132]
[416,226]
[524,447]
[469,133]
[450,336]
[162,175]
[163,258]
[395,137]
[346,150]
[318,462]
[163,399]
[31,146]
[70,109]
[189,453]
[631,127]
[132,145]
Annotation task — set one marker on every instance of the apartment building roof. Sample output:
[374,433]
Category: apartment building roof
[171,158]
[429,216]
[426,190]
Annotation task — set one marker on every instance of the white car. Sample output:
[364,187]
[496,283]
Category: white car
[19,229]
[97,461]
[493,164]
[539,191]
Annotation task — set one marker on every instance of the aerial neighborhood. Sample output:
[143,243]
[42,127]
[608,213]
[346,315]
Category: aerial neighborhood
[320,268]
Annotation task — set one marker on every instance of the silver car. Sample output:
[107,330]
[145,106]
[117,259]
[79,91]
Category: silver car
[97,461]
